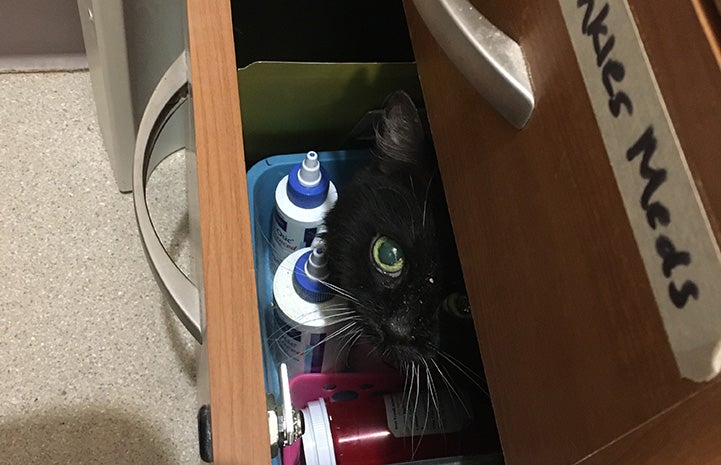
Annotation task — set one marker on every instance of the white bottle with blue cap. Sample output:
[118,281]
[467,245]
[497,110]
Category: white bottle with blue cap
[302,198]
[311,323]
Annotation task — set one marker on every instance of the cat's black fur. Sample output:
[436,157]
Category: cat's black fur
[400,196]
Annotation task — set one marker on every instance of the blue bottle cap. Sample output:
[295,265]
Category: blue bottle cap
[308,183]
[309,288]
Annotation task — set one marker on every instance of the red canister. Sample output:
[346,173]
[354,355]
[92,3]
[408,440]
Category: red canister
[390,429]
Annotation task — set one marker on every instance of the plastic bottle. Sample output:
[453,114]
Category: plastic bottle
[302,198]
[389,429]
[306,315]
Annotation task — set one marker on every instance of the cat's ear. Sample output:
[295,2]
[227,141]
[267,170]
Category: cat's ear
[401,142]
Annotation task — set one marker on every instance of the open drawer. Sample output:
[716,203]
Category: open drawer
[222,310]
[577,358]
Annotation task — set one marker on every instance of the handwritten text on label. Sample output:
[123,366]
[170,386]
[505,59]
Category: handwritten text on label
[657,214]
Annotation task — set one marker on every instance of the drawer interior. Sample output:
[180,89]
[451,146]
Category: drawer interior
[262,180]
[289,106]
[315,69]
[320,31]
[310,76]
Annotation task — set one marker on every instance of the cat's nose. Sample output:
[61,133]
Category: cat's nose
[398,330]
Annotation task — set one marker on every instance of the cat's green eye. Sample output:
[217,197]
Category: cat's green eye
[387,255]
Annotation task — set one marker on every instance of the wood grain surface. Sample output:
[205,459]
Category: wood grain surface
[689,75]
[573,345]
[685,434]
[237,392]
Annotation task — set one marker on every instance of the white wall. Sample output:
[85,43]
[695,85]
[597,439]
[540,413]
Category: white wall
[40,34]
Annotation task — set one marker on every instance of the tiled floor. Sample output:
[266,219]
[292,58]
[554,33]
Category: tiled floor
[94,368]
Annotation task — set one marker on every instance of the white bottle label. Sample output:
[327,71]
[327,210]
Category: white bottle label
[307,351]
[409,416]
[287,236]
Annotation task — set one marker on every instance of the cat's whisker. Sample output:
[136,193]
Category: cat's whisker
[476,379]
[353,318]
[450,387]
[339,307]
[404,367]
[341,331]
[279,338]
[277,346]
[427,412]
[415,407]
[286,266]
[331,336]
[286,356]
[373,350]
[340,291]
[458,363]
[349,342]
[410,392]
[433,392]
[462,367]
[334,318]
[425,200]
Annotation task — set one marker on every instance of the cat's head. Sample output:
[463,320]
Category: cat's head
[389,245]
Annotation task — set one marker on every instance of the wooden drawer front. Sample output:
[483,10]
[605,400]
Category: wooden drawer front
[573,344]
[237,392]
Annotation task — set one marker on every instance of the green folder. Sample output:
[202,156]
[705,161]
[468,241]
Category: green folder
[296,107]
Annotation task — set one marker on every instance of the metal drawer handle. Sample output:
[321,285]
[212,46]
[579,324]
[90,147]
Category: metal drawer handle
[171,92]
[490,60]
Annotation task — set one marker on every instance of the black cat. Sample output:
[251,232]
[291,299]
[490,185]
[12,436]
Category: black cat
[391,250]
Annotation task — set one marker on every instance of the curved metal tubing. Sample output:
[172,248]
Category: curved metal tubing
[490,60]
[171,92]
